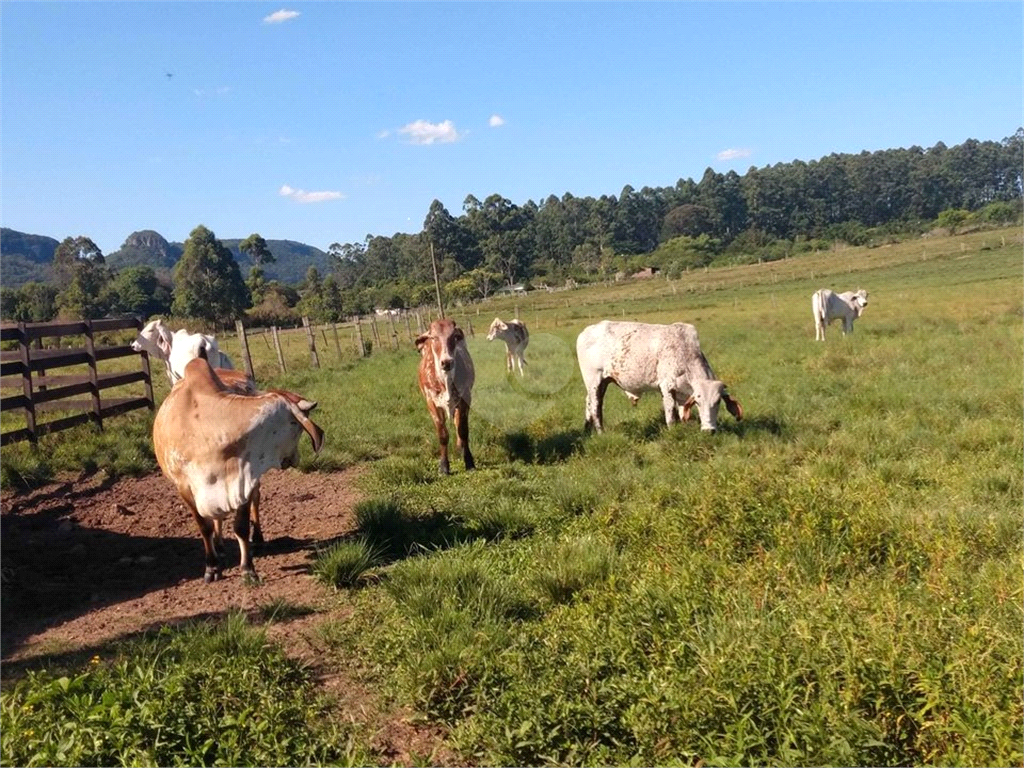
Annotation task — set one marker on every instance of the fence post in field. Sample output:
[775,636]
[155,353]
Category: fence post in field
[376,332]
[470,324]
[312,342]
[419,322]
[394,333]
[265,339]
[26,383]
[337,341]
[277,344]
[408,329]
[517,311]
[324,332]
[42,371]
[359,337]
[244,341]
[146,370]
[94,379]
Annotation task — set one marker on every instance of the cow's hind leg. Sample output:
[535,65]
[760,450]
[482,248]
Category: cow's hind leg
[595,405]
[255,531]
[241,526]
[462,433]
[508,360]
[206,530]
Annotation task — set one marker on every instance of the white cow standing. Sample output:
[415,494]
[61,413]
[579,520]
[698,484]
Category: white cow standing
[641,357]
[178,349]
[515,336]
[828,306]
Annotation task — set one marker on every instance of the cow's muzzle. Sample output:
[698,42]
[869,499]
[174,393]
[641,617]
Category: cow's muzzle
[446,365]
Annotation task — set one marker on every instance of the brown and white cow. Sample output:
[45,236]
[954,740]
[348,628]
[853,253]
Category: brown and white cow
[515,336]
[641,357]
[214,444]
[446,378]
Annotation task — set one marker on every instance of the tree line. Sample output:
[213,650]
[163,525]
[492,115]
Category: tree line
[767,213]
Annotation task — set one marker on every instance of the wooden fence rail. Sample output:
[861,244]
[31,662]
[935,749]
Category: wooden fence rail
[40,392]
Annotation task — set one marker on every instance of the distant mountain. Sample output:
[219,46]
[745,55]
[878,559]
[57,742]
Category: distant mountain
[24,257]
[145,248]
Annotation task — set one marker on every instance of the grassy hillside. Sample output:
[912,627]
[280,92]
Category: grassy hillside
[837,579]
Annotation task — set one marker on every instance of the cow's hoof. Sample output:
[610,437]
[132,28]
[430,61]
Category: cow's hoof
[256,536]
[212,574]
[470,464]
[250,578]
[443,469]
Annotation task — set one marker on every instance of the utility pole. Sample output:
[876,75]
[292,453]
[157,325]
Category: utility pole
[437,283]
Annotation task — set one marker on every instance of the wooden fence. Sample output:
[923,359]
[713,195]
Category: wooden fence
[41,392]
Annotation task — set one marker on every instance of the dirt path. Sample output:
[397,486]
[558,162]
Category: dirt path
[87,560]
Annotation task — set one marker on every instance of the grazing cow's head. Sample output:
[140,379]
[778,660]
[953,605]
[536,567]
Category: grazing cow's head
[707,396]
[154,338]
[497,328]
[443,338]
[300,408]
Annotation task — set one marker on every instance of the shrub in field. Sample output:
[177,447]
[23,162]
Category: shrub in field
[343,564]
[203,695]
[567,568]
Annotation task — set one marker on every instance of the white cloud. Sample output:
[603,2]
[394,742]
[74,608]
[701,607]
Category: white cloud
[383,134]
[302,196]
[733,154]
[422,132]
[279,17]
[496,121]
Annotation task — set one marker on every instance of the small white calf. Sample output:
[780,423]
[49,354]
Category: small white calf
[177,349]
[639,357]
[515,336]
[828,306]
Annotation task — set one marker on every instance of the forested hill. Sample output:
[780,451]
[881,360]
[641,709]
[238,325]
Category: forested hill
[848,197]
[24,258]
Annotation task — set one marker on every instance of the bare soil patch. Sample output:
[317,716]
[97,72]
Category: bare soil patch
[88,560]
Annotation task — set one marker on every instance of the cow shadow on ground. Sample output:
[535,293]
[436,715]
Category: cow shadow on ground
[550,449]
[55,571]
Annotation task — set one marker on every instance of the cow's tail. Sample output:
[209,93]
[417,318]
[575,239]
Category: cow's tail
[818,308]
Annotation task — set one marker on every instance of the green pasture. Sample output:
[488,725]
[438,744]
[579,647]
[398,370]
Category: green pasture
[837,579]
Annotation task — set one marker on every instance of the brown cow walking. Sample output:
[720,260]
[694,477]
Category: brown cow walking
[446,380]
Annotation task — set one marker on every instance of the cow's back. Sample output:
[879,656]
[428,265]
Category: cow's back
[637,356]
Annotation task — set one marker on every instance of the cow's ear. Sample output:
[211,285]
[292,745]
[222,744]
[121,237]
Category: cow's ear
[164,344]
[687,406]
[421,340]
[458,335]
[306,406]
[733,407]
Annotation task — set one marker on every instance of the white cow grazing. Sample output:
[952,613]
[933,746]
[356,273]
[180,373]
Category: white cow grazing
[215,443]
[640,357]
[178,348]
[515,336]
[828,306]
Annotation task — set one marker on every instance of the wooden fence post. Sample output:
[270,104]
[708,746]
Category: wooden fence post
[408,329]
[419,322]
[376,333]
[277,344]
[94,379]
[26,383]
[470,324]
[337,341]
[359,337]
[244,341]
[42,371]
[394,333]
[146,370]
[265,339]
[312,342]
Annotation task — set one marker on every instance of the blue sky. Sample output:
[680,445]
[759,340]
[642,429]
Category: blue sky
[330,121]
